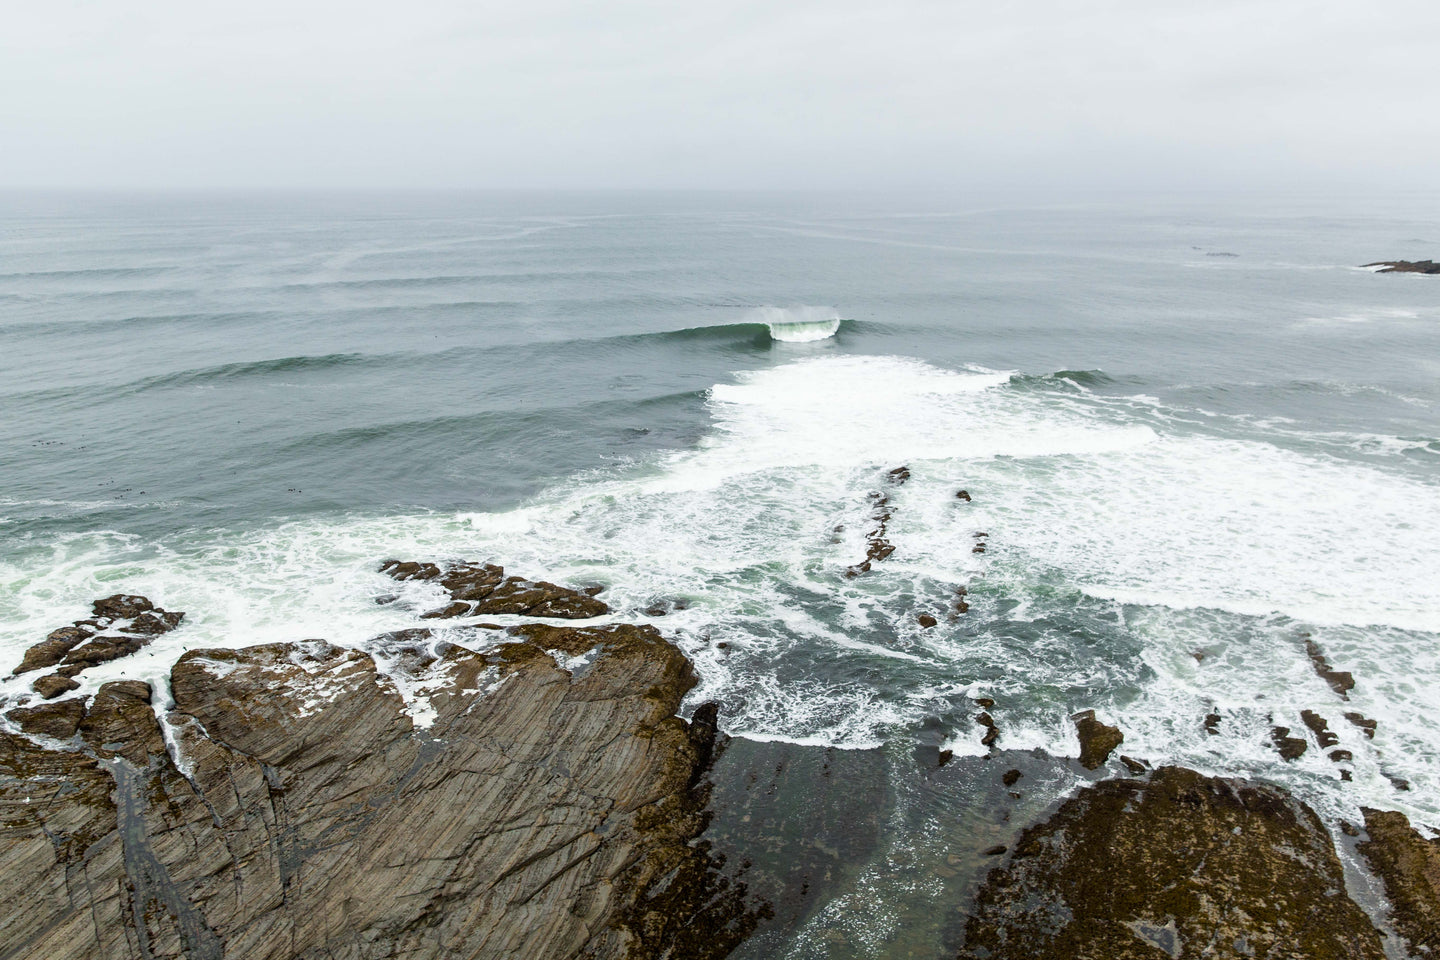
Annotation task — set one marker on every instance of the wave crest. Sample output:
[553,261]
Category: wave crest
[804,324]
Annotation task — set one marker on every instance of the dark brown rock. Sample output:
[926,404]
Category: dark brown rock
[57,720]
[994,851]
[926,621]
[53,685]
[1406,266]
[544,813]
[121,723]
[456,609]
[962,495]
[119,625]
[992,731]
[1212,724]
[1364,723]
[410,570]
[102,649]
[1097,739]
[1291,748]
[1011,777]
[1409,865]
[1318,726]
[1135,767]
[477,589]
[898,476]
[121,606]
[1181,865]
[51,650]
[1341,681]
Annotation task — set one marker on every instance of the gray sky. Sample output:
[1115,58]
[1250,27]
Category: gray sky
[631,93]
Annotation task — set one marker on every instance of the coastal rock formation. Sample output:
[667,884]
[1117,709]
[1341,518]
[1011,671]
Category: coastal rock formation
[1341,681]
[535,800]
[117,627]
[877,547]
[1409,865]
[1290,748]
[483,588]
[1406,266]
[1181,865]
[1097,739]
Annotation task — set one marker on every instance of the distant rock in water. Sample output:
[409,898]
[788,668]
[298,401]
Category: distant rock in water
[1405,266]
[544,812]
[477,588]
[1182,865]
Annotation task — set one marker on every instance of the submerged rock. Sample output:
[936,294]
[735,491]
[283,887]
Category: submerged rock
[1182,865]
[543,812]
[1409,865]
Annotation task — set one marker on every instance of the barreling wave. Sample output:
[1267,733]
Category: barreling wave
[804,324]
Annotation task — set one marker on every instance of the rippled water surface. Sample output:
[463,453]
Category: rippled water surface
[1193,434]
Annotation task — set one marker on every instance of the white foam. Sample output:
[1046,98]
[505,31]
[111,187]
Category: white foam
[1122,536]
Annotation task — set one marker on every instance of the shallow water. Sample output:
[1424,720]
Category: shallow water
[1182,462]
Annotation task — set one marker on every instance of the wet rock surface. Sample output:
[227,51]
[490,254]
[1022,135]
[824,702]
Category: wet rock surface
[877,547]
[1180,865]
[544,812]
[117,627]
[483,588]
[1097,739]
[1409,866]
[1341,681]
[1289,748]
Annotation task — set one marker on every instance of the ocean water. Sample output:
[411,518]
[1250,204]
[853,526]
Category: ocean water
[1193,432]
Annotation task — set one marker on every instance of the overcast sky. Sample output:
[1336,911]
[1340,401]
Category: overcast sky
[631,93]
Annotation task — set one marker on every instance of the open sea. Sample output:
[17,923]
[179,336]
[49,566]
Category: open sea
[1194,434]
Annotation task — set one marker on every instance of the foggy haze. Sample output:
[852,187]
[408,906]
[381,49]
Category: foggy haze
[567,94]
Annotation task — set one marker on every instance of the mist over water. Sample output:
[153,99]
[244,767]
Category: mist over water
[1180,465]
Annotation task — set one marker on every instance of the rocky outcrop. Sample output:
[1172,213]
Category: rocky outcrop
[1289,748]
[482,588]
[117,627]
[1409,865]
[1181,865]
[543,805]
[877,547]
[1406,266]
[1341,681]
[1097,740]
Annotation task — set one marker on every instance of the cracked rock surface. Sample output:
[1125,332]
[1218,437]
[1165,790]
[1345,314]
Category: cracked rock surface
[542,813]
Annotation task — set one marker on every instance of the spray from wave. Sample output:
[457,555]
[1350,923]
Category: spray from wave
[804,324]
